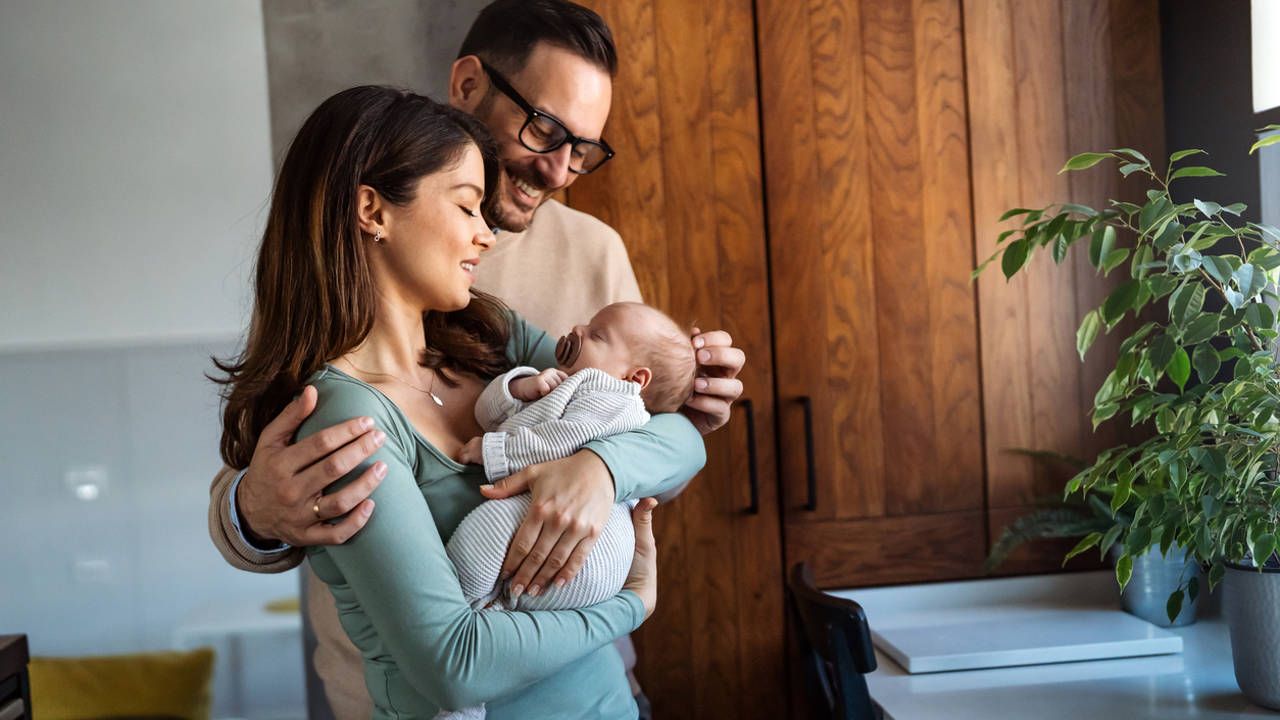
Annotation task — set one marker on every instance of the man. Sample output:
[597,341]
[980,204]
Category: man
[539,74]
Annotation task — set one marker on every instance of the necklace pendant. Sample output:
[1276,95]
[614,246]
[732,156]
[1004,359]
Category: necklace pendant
[437,400]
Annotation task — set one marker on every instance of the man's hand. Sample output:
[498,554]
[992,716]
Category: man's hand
[279,497]
[572,499]
[643,577]
[473,452]
[717,385]
[533,387]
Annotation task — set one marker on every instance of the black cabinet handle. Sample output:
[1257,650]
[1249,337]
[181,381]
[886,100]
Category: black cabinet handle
[752,468]
[812,478]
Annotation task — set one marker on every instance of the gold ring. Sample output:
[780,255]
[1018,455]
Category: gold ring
[316,509]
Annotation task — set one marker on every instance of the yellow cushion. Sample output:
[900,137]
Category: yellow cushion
[153,684]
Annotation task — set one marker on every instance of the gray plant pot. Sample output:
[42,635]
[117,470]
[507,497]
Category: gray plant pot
[1154,579]
[1251,602]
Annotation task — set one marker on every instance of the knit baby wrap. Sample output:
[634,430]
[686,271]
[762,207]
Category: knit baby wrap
[587,405]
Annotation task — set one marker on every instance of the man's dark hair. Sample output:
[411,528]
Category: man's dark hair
[506,31]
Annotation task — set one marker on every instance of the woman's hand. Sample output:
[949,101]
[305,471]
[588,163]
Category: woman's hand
[643,578]
[572,499]
[717,384]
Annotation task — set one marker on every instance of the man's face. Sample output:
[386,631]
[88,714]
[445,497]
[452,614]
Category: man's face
[564,85]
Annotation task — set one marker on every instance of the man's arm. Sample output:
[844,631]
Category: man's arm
[227,537]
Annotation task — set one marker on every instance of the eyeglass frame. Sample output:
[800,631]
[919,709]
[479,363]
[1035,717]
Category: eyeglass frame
[532,113]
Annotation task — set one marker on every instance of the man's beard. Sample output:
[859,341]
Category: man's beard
[497,215]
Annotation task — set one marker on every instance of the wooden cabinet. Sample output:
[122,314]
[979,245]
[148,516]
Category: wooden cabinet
[819,177]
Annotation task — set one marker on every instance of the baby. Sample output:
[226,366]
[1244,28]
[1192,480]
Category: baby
[629,361]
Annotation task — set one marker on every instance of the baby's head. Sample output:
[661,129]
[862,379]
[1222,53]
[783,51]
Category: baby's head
[635,342]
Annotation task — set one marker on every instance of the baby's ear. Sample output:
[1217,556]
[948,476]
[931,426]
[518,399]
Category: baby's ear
[640,375]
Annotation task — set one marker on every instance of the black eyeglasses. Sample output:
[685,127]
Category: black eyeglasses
[544,133]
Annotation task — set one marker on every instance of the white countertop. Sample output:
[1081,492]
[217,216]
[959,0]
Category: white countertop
[1197,683]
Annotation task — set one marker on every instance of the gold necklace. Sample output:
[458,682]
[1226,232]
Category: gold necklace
[435,398]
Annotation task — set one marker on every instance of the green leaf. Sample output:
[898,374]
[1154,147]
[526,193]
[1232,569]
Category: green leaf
[1187,260]
[1131,168]
[1060,246]
[1195,171]
[1133,154]
[1235,208]
[1084,160]
[1104,412]
[1208,208]
[1219,268]
[1193,588]
[1114,259]
[1265,257]
[1164,421]
[1174,605]
[1216,571]
[1089,541]
[1161,352]
[1124,488]
[1205,359]
[1084,210]
[1138,541]
[1167,237]
[1088,332]
[1179,368]
[1212,460]
[1124,570]
[1268,140]
[1152,212]
[1104,239]
[1185,153]
[1201,328]
[1260,316]
[1127,208]
[1015,257]
[1014,213]
[1263,548]
[1110,538]
[1119,301]
[1185,303]
[1250,280]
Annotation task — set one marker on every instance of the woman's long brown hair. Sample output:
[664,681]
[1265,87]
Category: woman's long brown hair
[314,298]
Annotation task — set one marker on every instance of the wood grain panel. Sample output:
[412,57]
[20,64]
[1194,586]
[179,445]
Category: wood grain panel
[1090,86]
[1042,149]
[852,332]
[1004,332]
[795,257]
[956,482]
[884,551]
[905,299]
[744,300]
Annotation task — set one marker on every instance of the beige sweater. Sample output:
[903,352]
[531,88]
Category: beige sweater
[556,274]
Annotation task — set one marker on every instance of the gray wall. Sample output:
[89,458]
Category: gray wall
[317,47]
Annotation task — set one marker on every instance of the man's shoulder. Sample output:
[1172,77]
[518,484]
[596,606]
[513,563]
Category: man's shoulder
[556,219]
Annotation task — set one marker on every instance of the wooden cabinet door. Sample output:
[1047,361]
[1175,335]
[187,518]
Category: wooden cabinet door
[685,193]
[871,245]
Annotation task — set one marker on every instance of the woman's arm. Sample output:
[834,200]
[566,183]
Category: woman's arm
[397,566]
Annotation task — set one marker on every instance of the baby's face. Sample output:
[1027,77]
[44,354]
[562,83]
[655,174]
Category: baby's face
[610,342]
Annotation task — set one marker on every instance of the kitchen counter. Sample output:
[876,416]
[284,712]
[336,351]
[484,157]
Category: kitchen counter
[1197,683]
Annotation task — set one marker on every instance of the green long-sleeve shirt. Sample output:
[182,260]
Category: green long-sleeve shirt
[398,596]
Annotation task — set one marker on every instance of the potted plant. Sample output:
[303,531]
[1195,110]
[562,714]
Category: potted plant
[1154,577]
[1201,368]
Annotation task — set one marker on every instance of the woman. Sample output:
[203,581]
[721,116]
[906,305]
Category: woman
[364,291]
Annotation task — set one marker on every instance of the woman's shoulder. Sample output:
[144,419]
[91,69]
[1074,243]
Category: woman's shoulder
[340,397]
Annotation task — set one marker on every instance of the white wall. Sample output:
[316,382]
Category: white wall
[1265,24]
[135,169]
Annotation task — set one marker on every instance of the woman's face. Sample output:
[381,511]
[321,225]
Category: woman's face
[433,243]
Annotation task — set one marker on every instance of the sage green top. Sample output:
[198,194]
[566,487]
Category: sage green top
[398,596]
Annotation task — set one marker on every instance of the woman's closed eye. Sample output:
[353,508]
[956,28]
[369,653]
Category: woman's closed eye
[469,211]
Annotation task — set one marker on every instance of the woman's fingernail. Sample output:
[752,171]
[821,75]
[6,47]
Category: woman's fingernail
[700,384]
[534,590]
[699,342]
[366,423]
[704,355]
[379,437]
[559,582]
[486,487]
[379,470]
[516,591]
[367,510]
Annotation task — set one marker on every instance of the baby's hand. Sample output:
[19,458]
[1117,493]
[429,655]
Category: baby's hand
[472,453]
[532,387]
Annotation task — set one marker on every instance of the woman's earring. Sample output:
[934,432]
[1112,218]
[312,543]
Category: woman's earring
[377,237]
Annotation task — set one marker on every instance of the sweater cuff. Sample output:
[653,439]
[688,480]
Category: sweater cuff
[495,456]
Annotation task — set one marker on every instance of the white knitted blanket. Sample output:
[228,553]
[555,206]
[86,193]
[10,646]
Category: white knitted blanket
[480,543]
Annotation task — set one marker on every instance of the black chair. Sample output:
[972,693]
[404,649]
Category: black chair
[835,640]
